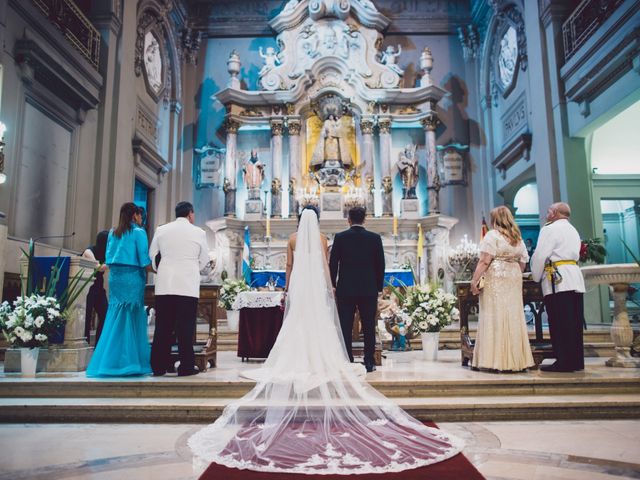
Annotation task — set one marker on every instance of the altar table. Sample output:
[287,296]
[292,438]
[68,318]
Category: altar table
[260,322]
[260,278]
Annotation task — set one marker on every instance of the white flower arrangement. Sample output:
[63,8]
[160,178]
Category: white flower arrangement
[429,308]
[229,291]
[31,320]
[463,259]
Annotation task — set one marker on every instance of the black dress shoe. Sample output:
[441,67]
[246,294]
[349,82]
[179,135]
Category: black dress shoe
[370,368]
[555,368]
[158,374]
[188,373]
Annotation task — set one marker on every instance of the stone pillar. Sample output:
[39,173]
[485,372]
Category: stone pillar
[366,128]
[276,168]
[429,123]
[230,173]
[385,164]
[295,176]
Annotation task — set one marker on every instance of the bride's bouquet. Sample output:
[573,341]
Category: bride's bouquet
[230,290]
[429,308]
[31,320]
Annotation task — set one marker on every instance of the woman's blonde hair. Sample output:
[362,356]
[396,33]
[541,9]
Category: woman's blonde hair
[502,220]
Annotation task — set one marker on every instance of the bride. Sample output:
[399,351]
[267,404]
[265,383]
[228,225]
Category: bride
[311,410]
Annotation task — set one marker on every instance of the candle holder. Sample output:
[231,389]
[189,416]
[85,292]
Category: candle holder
[267,257]
[395,251]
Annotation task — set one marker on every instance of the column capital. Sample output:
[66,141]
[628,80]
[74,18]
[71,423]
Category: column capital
[231,126]
[294,127]
[277,128]
[430,121]
[384,126]
[366,126]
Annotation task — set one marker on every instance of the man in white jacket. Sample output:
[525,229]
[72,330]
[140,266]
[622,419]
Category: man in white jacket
[183,254]
[555,264]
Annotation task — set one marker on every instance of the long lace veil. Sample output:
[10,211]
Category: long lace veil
[311,410]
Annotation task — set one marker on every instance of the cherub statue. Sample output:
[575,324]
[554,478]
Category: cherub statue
[389,58]
[408,167]
[271,60]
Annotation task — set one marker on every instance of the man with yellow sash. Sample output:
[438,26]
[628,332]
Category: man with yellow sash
[555,265]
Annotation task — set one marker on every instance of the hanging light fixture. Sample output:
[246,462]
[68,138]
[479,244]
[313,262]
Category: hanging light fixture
[3,177]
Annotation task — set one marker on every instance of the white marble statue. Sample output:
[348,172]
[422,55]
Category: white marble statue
[408,168]
[389,58]
[271,60]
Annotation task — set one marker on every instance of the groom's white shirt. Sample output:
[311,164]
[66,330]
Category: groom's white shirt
[184,252]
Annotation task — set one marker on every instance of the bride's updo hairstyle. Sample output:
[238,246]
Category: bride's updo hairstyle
[313,208]
[502,220]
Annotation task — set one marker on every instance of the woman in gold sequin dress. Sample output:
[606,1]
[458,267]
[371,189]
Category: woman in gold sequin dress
[502,341]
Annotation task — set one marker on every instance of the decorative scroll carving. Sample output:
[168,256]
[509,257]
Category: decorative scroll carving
[430,122]
[231,126]
[294,128]
[384,126]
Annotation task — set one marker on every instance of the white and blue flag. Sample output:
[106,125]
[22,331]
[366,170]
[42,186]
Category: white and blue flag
[246,256]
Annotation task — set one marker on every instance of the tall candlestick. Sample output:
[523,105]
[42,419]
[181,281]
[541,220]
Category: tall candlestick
[395,225]
[268,225]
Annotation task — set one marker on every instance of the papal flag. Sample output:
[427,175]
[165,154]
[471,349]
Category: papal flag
[420,242]
[246,256]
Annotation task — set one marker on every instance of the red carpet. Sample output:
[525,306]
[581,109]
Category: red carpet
[455,468]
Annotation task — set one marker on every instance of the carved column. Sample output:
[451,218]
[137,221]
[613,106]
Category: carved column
[230,173]
[294,165]
[276,168]
[429,123]
[385,163]
[366,128]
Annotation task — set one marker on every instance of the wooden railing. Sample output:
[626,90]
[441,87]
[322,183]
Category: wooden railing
[70,20]
[584,21]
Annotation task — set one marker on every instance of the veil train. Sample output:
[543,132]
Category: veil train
[311,410]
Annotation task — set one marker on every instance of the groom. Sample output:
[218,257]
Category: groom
[357,260]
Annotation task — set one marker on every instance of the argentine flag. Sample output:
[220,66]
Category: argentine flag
[246,257]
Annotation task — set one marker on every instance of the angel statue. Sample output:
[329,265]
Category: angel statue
[408,167]
[253,171]
[332,145]
[389,58]
[271,60]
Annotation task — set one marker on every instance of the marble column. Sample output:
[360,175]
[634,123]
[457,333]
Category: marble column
[366,128]
[385,164]
[230,173]
[276,168]
[430,123]
[295,177]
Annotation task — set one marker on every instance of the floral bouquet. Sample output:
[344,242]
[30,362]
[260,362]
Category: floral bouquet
[463,259]
[592,250]
[230,290]
[31,321]
[429,308]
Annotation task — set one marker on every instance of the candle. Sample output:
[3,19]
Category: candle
[268,225]
[395,226]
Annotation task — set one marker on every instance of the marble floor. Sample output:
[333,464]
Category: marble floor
[594,450]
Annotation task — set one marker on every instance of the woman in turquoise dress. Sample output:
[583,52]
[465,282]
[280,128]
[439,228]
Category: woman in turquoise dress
[124,344]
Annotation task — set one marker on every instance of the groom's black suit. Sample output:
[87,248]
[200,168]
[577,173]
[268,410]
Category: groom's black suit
[357,274]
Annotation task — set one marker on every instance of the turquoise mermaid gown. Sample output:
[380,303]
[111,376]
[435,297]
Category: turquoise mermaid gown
[123,349]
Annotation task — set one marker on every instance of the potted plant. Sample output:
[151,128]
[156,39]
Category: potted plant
[228,294]
[428,308]
[592,251]
[28,325]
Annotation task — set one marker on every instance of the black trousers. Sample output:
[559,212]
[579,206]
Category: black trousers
[96,301]
[367,306]
[175,319]
[566,318]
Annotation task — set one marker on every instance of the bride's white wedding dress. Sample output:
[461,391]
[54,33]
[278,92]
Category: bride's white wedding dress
[311,410]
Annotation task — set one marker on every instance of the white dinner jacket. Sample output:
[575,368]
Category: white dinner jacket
[184,252]
[558,241]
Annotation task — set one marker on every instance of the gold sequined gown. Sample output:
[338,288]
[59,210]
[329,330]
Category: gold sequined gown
[502,341]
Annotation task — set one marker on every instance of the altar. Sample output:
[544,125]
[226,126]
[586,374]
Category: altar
[332,125]
[278,278]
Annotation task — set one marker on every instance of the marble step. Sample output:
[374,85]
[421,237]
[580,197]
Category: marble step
[475,384]
[439,409]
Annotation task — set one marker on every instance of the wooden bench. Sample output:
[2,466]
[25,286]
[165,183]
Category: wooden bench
[205,352]
[531,295]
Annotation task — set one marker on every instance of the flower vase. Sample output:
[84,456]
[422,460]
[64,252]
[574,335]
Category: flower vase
[430,342]
[29,361]
[233,320]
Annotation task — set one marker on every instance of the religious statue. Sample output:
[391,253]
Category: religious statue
[253,171]
[389,58]
[408,167]
[332,145]
[271,60]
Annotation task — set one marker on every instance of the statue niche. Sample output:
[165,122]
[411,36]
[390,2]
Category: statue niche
[332,159]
